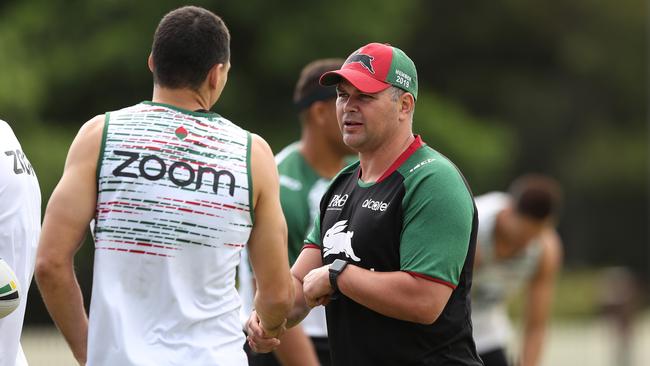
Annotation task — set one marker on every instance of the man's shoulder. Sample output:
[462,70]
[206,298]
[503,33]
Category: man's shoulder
[7,132]
[225,121]
[133,108]
[427,174]
[4,125]
[288,156]
[427,163]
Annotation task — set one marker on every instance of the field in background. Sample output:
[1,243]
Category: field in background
[594,343]
[570,343]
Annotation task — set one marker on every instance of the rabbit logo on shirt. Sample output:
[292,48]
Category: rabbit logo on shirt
[338,241]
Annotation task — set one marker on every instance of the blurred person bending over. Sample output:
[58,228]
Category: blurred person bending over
[391,253]
[517,245]
[20,225]
[176,192]
[306,168]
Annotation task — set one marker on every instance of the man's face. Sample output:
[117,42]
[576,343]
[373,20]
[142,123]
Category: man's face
[366,120]
[331,130]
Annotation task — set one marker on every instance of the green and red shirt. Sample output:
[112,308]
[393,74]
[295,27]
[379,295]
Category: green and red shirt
[420,218]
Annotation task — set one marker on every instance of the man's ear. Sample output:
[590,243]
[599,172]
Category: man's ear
[150,62]
[214,74]
[407,103]
[316,111]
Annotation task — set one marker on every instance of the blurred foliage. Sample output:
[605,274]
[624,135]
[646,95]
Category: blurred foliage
[507,87]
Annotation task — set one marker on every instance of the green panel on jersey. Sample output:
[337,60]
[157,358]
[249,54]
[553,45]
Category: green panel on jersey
[301,189]
[437,219]
[100,158]
[313,236]
[249,168]
[297,179]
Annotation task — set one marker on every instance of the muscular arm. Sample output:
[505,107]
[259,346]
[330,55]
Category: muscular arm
[540,295]
[267,245]
[395,294]
[296,349]
[69,211]
[309,259]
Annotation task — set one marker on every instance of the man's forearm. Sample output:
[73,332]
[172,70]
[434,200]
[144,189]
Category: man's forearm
[273,305]
[272,314]
[395,294]
[64,301]
[300,309]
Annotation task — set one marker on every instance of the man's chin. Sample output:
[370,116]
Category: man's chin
[353,143]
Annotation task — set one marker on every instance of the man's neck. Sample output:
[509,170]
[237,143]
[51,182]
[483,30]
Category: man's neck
[325,161]
[182,98]
[374,163]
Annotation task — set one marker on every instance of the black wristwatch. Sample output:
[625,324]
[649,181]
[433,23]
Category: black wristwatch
[336,268]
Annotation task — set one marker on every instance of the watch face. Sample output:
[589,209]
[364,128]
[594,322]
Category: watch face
[338,265]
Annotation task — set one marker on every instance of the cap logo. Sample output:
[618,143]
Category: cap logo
[364,60]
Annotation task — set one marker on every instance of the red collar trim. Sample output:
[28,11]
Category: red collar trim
[416,144]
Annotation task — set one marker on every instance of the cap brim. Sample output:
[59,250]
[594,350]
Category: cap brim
[358,79]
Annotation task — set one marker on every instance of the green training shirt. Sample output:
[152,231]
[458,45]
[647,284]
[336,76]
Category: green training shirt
[301,190]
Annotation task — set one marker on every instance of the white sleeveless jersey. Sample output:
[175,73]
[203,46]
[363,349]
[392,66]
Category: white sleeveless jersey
[496,280]
[20,226]
[173,213]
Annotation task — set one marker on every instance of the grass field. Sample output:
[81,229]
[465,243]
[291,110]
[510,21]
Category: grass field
[570,343]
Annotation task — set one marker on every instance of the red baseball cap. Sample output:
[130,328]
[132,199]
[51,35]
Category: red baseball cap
[375,67]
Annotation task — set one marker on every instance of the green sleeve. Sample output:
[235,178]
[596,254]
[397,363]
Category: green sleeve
[296,213]
[314,235]
[438,213]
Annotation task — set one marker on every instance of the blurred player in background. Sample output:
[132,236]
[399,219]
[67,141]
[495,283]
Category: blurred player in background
[306,168]
[20,226]
[176,192]
[517,245]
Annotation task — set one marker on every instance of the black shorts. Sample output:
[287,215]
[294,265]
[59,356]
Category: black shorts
[268,359]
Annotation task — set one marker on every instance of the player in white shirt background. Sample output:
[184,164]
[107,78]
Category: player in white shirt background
[20,226]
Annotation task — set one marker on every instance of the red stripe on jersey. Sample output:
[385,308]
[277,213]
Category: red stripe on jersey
[311,246]
[429,278]
[416,144]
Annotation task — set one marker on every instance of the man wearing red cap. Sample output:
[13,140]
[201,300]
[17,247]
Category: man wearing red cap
[305,168]
[392,250]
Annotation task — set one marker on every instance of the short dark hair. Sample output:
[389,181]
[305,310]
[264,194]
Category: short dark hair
[536,196]
[188,42]
[396,93]
[308,90]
